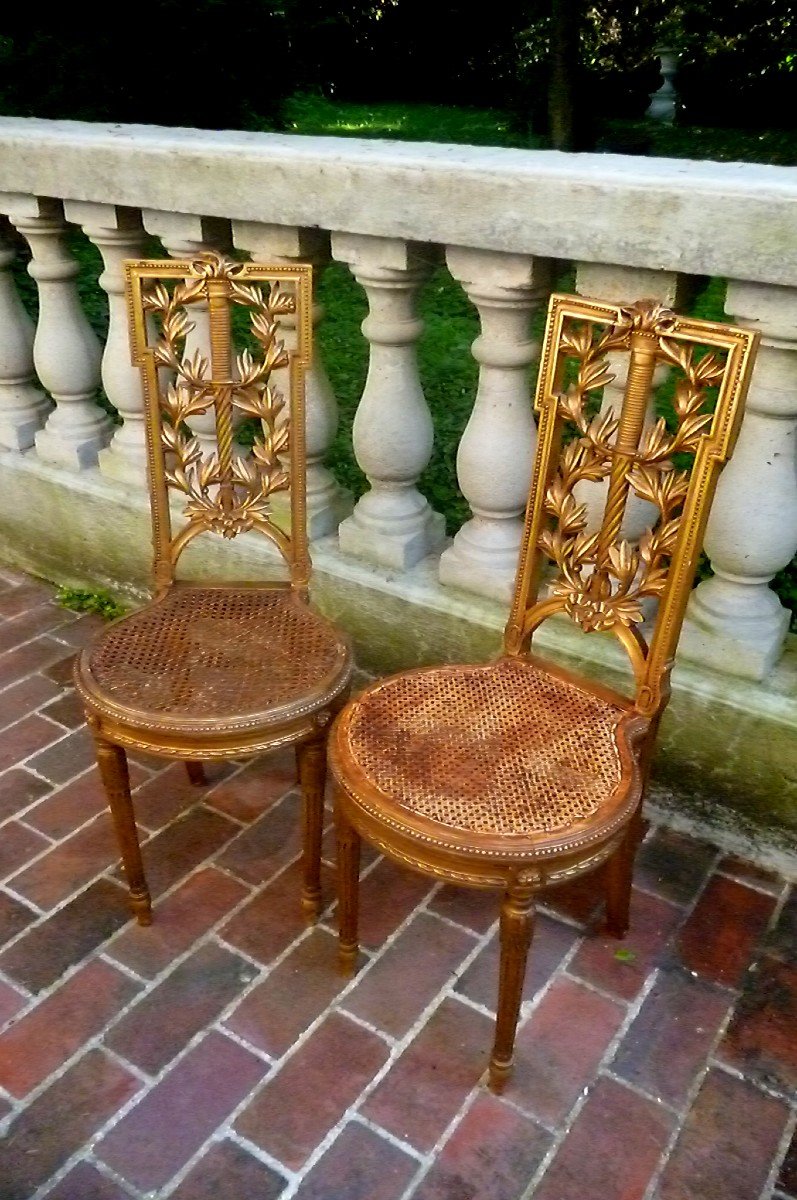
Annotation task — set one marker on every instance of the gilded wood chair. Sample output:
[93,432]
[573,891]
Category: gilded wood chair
[519,775]
[217,670]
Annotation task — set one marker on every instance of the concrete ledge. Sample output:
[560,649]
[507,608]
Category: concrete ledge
[733,219]
[728,751]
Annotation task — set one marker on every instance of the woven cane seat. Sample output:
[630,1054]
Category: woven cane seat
[218,655]
[504,749]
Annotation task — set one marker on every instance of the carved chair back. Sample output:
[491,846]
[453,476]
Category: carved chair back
[183,339]
[589,447]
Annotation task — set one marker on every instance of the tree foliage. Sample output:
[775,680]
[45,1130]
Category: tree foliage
[203,64]
[229,63]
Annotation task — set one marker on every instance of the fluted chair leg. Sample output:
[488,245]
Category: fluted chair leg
[517,928]
[112,762]
[196,773]
[348,891]
[312,765]
[619,877]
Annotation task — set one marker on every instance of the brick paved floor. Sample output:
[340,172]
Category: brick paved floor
[217,1054]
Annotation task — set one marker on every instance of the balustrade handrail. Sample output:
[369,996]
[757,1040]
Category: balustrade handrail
[738,220]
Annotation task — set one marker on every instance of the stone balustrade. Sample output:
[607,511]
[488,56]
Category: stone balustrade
[500,219]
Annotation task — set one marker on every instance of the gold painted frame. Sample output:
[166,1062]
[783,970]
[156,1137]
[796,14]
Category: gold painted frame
[650,332]
[220,282]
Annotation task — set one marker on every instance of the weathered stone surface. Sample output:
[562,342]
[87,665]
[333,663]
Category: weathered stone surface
[730,219]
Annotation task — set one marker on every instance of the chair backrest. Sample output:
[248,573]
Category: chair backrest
[184,341]
[589,447]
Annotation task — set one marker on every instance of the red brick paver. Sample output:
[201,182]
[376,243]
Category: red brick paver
[428,1084]
[727,1145]
[50,947]
[553,1064]
[181,918]
[291,997]
[23,697]
[492,1154]
[395,990]
[189,998]
[219,1055]
[672,1035]
[613,1148]
[38,1043]
[18,789]
[622,967]
[722,934]
[297,1108]
[361,1165]
[18,845]
[86,1183]
[60,1120]
[21,740]
[228,1170]
[172,1122]
[68,866]
[761,1039]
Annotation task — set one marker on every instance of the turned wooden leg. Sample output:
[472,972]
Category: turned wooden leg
[620,868]
[112,762]
[348,891]
[311,760]
[619,876]
[517,927]
[196,773]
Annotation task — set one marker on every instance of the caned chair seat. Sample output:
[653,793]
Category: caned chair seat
[211,660]
[506,750]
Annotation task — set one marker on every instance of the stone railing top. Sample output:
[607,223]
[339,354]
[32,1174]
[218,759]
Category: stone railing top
[732,219]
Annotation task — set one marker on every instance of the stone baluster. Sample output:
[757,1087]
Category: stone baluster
[66,351]
[735,622]
[23,405]
[186,236]
[118,234]
[327,502]
[619,285]
[496,452]
[392,524]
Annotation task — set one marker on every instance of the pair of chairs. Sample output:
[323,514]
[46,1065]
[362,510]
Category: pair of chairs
[515,775]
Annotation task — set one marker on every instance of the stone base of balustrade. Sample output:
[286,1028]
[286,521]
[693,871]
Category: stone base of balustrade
[749,649]
[20,421]
[326,519]
[727,753]
[462,570]
[322,520]
[54,448]
[121,467]
[17,435]
[736,626]
[362,538]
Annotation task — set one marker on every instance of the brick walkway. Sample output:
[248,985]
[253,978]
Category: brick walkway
[219,1055]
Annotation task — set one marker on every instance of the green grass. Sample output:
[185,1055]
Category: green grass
[775,146]
[316,115]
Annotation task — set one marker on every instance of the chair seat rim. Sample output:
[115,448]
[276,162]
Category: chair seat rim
[379,806]
[323,693]
[312,701]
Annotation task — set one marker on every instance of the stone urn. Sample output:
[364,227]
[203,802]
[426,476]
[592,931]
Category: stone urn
[664,100]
